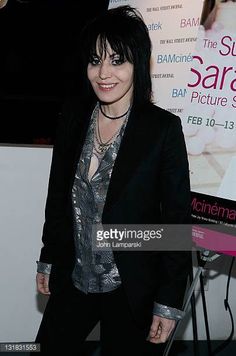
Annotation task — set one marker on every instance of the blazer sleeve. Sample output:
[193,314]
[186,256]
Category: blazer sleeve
[175,264]
[57,229]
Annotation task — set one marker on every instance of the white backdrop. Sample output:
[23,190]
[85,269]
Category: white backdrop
[23,184]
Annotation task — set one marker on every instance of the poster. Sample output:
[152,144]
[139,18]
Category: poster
[209,115]
[173,26]
[209,124]
[194,76]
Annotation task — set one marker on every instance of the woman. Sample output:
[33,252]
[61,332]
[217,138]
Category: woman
[209,12]
[118,159]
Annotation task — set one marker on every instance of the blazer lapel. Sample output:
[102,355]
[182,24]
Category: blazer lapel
[80,133]
[137,141]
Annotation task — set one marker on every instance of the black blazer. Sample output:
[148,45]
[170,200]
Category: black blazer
[149,185]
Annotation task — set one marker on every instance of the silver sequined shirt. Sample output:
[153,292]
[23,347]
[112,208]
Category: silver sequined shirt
[95,270]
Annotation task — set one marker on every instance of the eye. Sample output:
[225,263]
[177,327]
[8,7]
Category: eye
[116,60]
[94,60]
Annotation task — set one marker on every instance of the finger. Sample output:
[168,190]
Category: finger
[46,285]
[39,281]
[159,338]
[162,334]
[154,327]
[42,283]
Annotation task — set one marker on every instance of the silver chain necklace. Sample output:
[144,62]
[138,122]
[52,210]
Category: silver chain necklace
[103,146]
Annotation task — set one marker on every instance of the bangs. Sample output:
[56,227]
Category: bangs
[122,31]
[99,47]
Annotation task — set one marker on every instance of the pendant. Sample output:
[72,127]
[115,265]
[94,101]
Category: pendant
[102,148]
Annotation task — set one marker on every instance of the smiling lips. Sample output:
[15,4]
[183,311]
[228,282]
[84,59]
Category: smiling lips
[106,87]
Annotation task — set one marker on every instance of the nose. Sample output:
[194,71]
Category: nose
[104,70]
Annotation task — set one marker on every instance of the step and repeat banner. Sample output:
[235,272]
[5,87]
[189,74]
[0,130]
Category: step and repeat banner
[173,26]
[194,76]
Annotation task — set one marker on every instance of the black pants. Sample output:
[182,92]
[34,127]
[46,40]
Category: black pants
[69,318]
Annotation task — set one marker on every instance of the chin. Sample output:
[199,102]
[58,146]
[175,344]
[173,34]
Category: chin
[106,100]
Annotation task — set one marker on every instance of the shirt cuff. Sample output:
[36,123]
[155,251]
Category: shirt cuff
[43,267]
[168,312]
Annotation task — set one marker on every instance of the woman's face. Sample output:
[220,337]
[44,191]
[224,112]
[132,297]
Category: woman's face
[111,79]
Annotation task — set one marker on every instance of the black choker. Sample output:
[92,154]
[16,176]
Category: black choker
[112,117]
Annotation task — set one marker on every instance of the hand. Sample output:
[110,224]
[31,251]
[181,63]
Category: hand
[160,329]
[42,280]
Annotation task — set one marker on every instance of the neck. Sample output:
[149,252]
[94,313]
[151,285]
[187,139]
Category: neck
[113,117]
